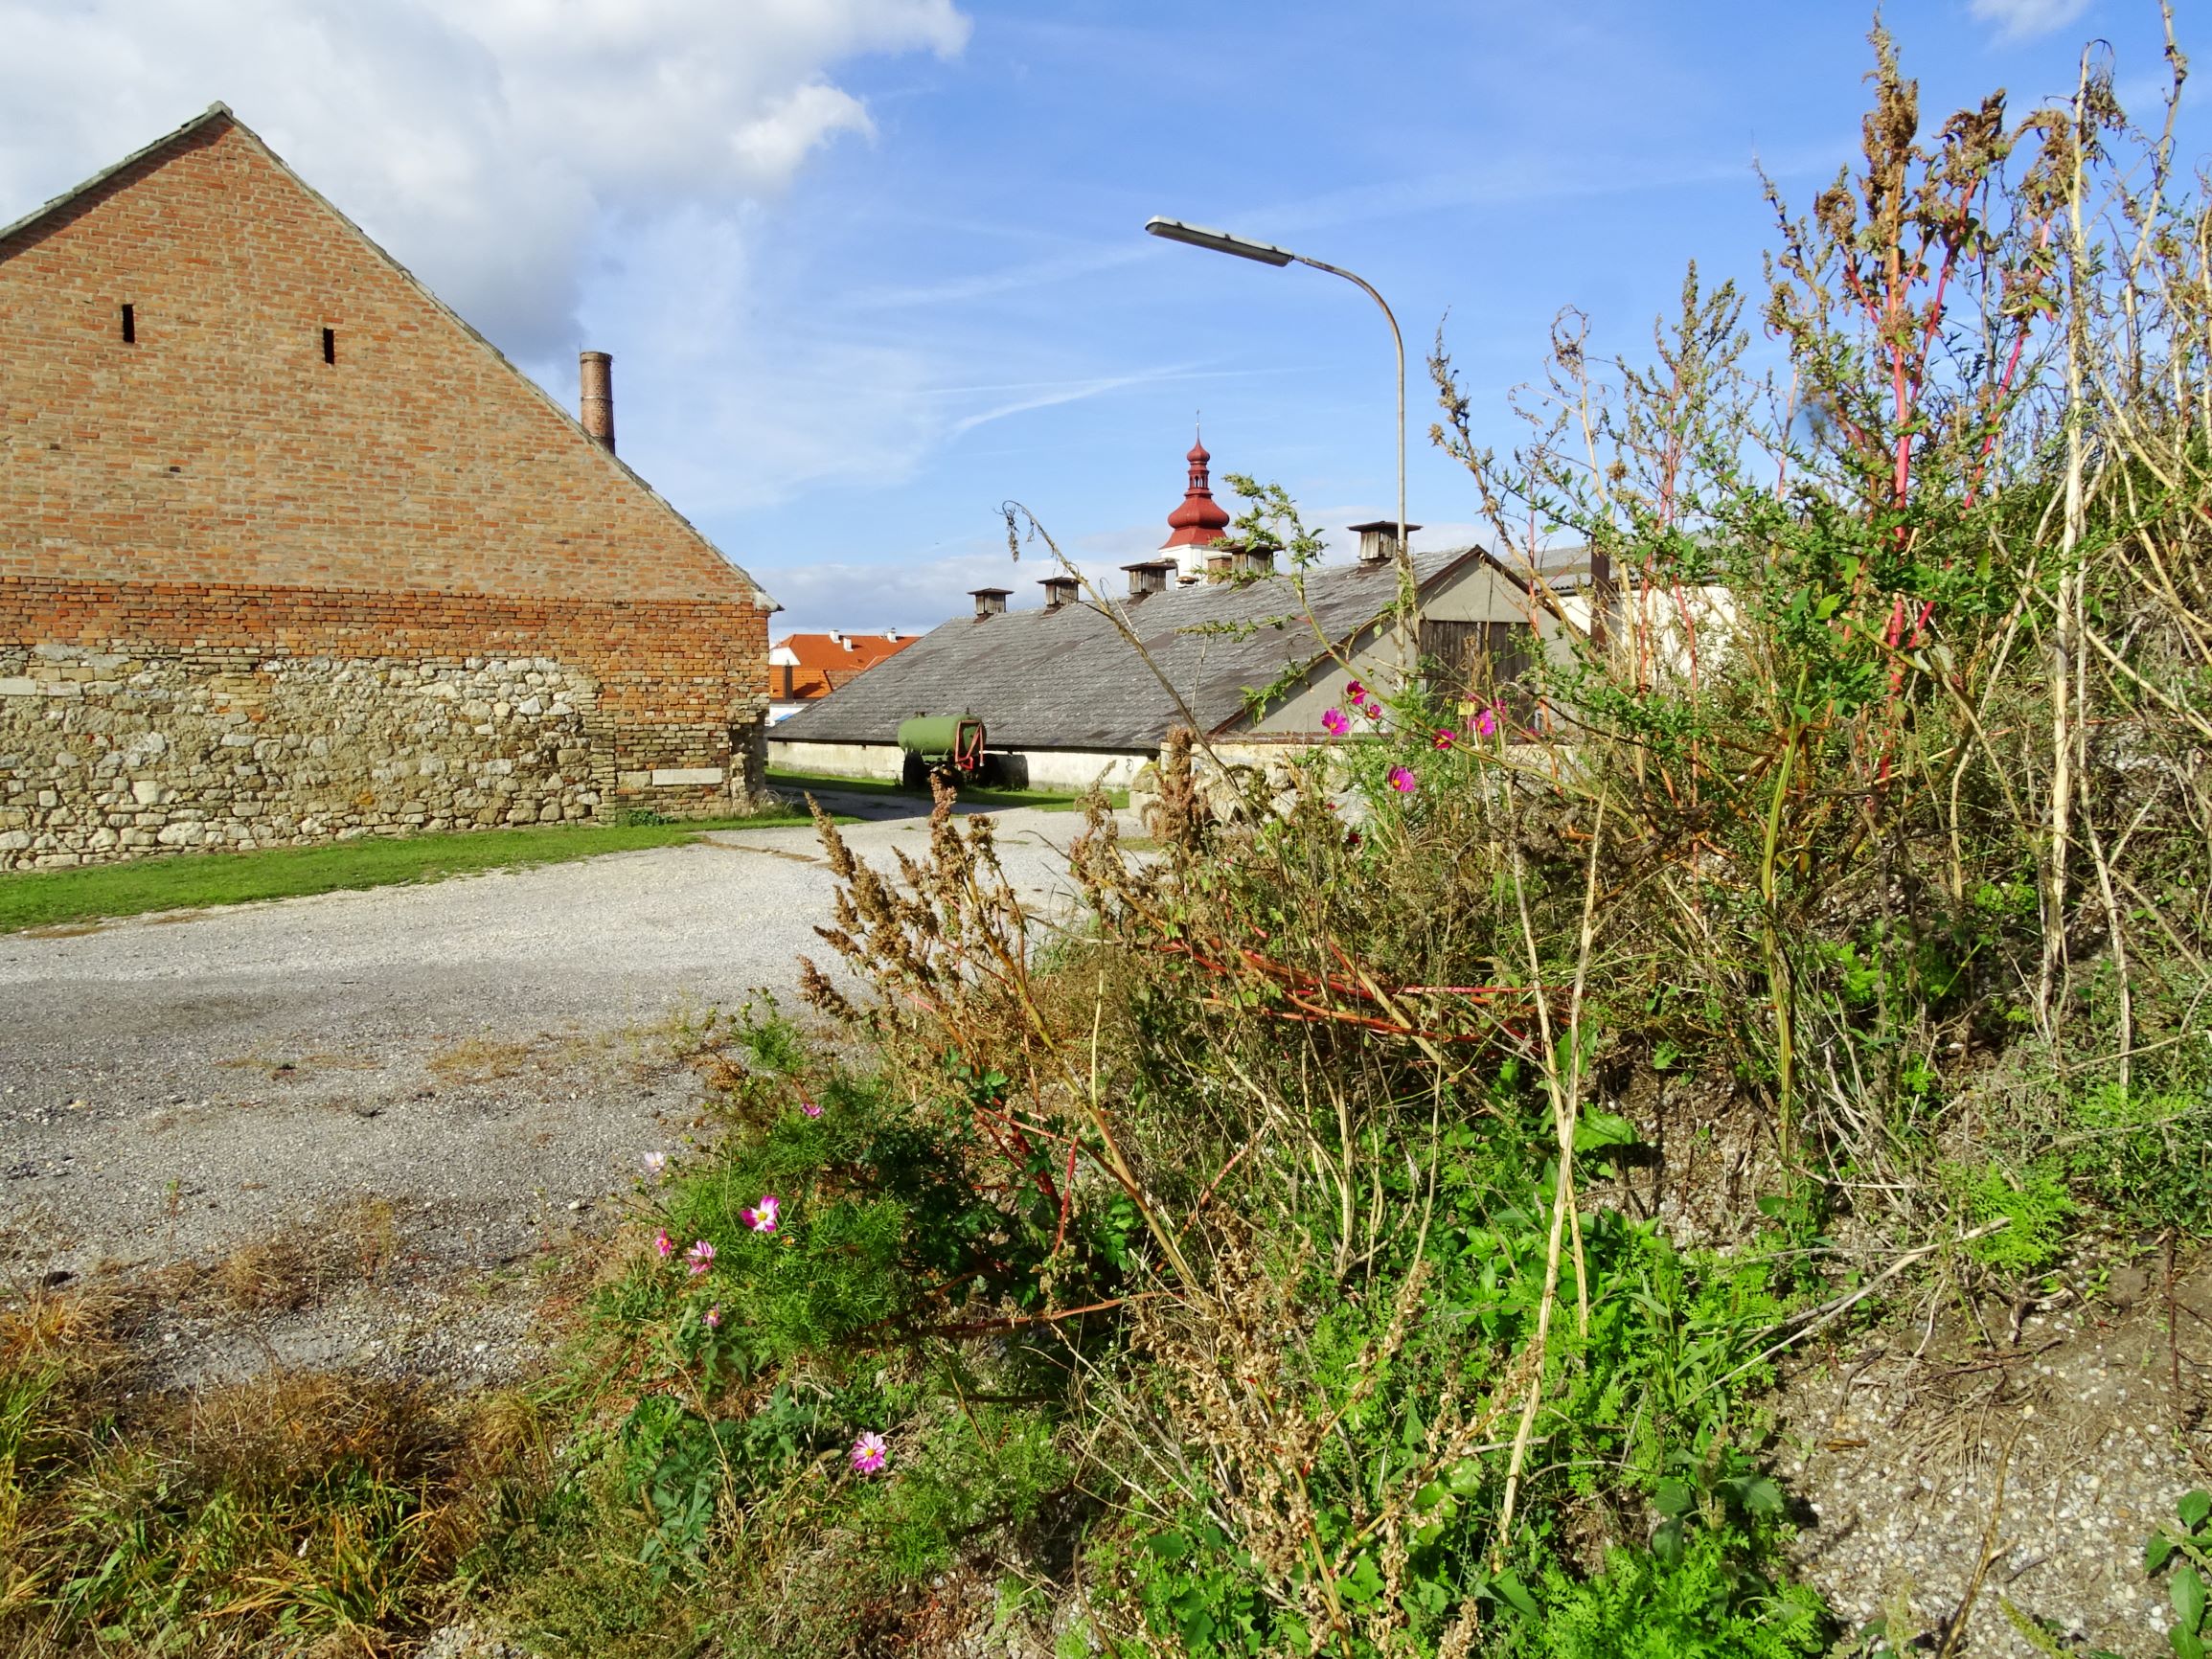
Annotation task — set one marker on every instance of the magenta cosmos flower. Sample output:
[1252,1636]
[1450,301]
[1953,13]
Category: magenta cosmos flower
[762,1217]
[1402,781]
[1484,723]
[869,1454]
[1353,690]
[808,1107]
[663,1245]
[715,1317]
[701,1256]
[1443,737]
[1334,723]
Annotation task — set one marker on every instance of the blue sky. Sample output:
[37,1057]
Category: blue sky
[869,268]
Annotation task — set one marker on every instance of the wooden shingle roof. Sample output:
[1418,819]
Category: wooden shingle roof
[1064,678]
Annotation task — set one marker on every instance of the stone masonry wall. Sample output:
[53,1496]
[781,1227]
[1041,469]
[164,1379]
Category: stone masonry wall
[102,754]
[140,718]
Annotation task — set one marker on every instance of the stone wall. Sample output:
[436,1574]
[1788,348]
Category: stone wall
[104,755]
[138,718]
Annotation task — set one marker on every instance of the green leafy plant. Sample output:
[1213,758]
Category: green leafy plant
[2182,1553]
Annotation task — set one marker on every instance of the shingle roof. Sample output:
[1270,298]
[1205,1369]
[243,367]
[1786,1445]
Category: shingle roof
[1064,679]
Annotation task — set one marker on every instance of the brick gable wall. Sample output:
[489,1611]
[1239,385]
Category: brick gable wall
[214,499]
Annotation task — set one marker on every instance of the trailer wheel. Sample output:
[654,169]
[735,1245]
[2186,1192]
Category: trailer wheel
[914,773]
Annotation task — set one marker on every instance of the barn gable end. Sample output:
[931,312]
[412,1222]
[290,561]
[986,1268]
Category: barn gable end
[287,551]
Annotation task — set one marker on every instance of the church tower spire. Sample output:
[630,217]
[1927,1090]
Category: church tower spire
[1200,520]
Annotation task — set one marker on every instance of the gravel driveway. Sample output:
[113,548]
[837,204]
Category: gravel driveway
[487,1058]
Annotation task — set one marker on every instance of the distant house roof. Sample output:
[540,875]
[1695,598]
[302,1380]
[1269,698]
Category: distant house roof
[1063,678]
[818,664]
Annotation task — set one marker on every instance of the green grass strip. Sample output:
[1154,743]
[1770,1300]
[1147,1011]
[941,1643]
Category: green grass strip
[198,880]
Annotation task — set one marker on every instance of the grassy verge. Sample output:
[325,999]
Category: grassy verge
[1045,800]
[198,880]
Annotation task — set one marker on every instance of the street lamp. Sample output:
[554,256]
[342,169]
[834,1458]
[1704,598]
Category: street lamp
[1267,254]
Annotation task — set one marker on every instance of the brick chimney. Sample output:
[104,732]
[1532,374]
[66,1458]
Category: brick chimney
[596,404]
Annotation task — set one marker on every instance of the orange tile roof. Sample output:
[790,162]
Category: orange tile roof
[827,661]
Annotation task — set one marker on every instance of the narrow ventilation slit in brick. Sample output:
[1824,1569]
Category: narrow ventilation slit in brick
[330,345]
[130,325]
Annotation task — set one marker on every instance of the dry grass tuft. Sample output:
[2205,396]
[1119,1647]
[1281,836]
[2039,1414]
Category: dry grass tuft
[480,1060]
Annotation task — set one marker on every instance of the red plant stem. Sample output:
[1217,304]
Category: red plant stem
[1066,1196]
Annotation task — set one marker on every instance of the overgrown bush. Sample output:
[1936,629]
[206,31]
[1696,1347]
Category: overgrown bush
[1370,1231]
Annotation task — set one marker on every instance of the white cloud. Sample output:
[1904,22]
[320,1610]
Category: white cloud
[2025,19]
[480,143]
[912,595]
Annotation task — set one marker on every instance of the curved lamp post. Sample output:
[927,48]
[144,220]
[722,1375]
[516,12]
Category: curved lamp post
[1266,254]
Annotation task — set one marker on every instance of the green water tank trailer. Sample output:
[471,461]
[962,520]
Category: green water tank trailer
[954,741]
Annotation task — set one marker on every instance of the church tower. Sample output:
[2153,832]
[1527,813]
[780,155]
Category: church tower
[1200,521]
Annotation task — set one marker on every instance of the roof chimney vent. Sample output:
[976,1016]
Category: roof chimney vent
[1149,576]
[1378,540]
[596,406]
[989,601]
[1059,590]
[1256,560]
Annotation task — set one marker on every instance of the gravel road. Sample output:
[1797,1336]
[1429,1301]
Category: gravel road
[487,1057]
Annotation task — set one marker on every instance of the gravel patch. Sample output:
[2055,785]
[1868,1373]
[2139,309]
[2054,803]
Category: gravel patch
[2091,1418]
[488,1058]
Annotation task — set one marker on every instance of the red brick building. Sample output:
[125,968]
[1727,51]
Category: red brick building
[288,552]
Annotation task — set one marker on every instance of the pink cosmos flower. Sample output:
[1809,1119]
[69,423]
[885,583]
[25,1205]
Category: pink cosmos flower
[715,1317]
[808,1107]
[869,1454]
[1353,690]
[761,1217]
[1402,781]
[657,1164]
[701,1256]
[664,1244]
[1334,723]
[1484,723]
[1443,737]
[1373,711]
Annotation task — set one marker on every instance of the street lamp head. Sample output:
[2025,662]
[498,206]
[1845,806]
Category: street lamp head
[1221,242]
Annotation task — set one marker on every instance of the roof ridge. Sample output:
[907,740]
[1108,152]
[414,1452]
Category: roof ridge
[216,111]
